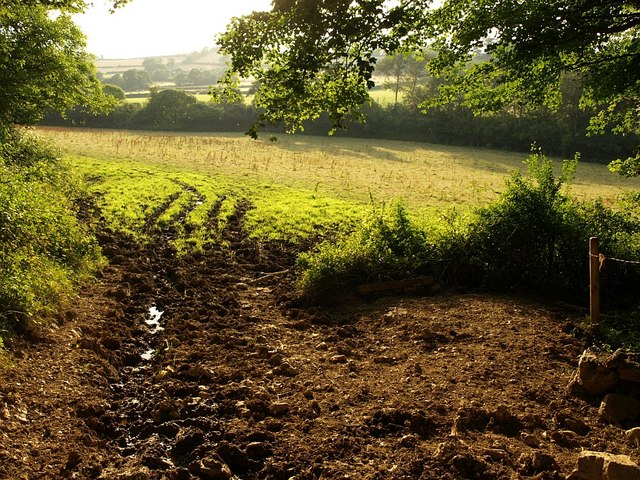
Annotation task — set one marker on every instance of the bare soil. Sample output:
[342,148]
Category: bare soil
[239,380]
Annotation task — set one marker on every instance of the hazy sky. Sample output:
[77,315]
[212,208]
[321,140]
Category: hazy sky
[146,28]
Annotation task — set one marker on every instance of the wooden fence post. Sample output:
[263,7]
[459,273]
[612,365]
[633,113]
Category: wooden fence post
[594,280]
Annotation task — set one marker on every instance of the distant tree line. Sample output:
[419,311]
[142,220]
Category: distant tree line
[157,70]
[516,128]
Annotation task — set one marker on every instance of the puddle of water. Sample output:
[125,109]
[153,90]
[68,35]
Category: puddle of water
[154,319]
[148,354]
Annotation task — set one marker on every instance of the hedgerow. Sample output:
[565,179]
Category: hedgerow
[44,248]
[533,237]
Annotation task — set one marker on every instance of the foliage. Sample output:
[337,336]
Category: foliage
[167,109]
[312,56]
[43,247]
[43,64]
[131,80]
[620,329]
[403,72]
[386,245]
[560,133]
[531,236]
[114,91]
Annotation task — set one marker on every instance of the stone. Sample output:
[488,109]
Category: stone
[621,467]
[605,466]
[627,365]
[258,450]
[590,466]
[630,373]
[565,438]
[165,411]
[536,462]
[408,441]
[530,440]
[339,359]
[594,376]
[198,371]
[576,425]
[543,462]
[619,408]
[633,437]
[187,440]
[278,408]
[213,468]
[286,369]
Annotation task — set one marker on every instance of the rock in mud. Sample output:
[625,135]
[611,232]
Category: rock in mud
[605,466]
[187,440]
[213,467]
[468,466]
[165,411]
[619,408]
[633,437]
[258,450]
[278,408]
[594,377]
[537,462]
[233,456]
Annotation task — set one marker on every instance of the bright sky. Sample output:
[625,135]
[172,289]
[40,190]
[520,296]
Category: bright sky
[147,28]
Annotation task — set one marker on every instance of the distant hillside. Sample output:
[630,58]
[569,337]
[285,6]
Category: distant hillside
[206,59]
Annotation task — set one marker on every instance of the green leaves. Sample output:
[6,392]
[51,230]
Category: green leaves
[43,247]
[493,55]
[308,57]
[43,64]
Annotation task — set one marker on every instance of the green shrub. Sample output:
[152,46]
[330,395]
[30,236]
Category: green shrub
[533,235]
[387,245]
[44,249]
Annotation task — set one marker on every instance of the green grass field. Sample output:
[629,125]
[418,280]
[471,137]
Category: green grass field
[298,185]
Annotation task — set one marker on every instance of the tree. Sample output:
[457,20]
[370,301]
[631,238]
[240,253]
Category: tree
[168,108]
[114,91]
[392,67]
[134,80]
[43,63]
[402,72]
[311,56]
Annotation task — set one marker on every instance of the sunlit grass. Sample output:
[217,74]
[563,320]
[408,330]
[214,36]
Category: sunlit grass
[137,197]
[425,176]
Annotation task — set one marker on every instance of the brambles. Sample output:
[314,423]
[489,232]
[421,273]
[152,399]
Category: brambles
[44,249]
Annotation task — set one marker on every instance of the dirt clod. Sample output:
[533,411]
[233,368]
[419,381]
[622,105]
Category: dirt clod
[239,382]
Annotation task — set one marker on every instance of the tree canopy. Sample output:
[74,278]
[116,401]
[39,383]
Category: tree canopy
[43,62]
[310,56]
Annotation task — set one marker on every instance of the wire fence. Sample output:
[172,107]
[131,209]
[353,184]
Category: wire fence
[597,261]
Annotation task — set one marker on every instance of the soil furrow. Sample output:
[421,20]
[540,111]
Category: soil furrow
[234,381]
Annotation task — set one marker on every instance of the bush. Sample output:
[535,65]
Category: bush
[386,246]
[532,236]
[44,249]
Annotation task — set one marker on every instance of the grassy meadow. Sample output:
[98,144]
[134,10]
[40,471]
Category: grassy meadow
[298,185]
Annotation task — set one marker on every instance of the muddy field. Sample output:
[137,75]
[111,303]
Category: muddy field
[208,367]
